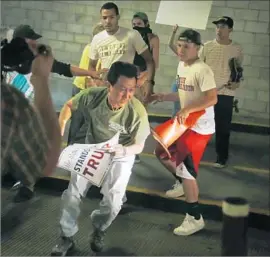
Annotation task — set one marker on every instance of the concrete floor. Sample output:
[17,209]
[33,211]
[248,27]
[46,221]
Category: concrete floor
[144,232]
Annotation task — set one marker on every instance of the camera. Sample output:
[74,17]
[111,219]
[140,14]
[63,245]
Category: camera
[17,56]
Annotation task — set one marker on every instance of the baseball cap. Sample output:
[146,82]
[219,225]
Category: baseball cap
[25,31]
[143,16]
[191,36]
[225,20]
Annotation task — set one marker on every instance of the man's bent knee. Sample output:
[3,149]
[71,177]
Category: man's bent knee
[69,199]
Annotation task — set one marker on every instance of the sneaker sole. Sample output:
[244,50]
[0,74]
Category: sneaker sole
[189,233]
[219,166]
[174,196]
[67,253]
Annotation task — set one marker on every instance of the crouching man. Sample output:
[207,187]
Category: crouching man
[107,111]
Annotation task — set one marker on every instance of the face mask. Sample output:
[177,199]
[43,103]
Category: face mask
[143,30]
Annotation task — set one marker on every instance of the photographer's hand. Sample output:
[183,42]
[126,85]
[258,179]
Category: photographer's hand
[42,64]
[41,69]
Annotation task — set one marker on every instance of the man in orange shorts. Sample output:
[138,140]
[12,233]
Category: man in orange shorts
[197,91]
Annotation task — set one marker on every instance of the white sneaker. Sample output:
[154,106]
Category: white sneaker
[189,226]
[16,186]
[176,191]
[219,165]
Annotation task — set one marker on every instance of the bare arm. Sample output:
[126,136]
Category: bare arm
[76,71]
[155,50]
[150,70]
[149,64]
[171,97]
[92,65]
[69,70]
[65,115]
[208,99]
[172,40]
[41,69]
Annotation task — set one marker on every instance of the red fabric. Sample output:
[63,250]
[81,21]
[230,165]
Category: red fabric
[189,143]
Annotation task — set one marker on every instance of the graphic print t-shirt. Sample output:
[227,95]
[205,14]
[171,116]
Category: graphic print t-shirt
[22,83]
[192,82]
[121,46]
[103,123]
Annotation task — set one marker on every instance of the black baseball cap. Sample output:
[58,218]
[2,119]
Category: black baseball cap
[191,36]
[25,31]
[225,20]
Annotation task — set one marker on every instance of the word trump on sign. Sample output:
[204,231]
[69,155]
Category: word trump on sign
[88,160]
[91,163]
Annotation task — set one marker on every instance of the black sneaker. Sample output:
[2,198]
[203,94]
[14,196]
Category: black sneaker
[97,240]
[137,159]
[63,247]
[23,194]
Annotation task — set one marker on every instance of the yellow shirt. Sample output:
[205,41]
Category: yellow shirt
[84,63]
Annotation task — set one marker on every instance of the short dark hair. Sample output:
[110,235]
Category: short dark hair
[121,69]
[110,5]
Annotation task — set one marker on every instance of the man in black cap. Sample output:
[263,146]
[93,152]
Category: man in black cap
[22,81]
[30,136]
[197,92]
[218,54]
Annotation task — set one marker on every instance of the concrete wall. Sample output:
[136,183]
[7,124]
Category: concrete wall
[67,27]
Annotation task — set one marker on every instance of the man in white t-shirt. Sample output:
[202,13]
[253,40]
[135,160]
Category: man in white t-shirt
[197,91]
[217,54]
[119,44]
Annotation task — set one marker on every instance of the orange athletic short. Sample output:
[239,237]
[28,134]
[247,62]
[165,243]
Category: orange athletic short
[189,149]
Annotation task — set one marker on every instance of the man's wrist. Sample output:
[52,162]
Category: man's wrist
[161,97]
[37,80]
[187,109]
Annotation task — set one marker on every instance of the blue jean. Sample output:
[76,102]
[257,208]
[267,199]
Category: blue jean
[176,105]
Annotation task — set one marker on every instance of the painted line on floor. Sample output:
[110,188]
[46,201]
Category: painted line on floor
[233,121]
[203,201]
[253,170]
[163,195]
[210,164]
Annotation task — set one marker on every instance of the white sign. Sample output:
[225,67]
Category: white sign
[188,14]
[88,160]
